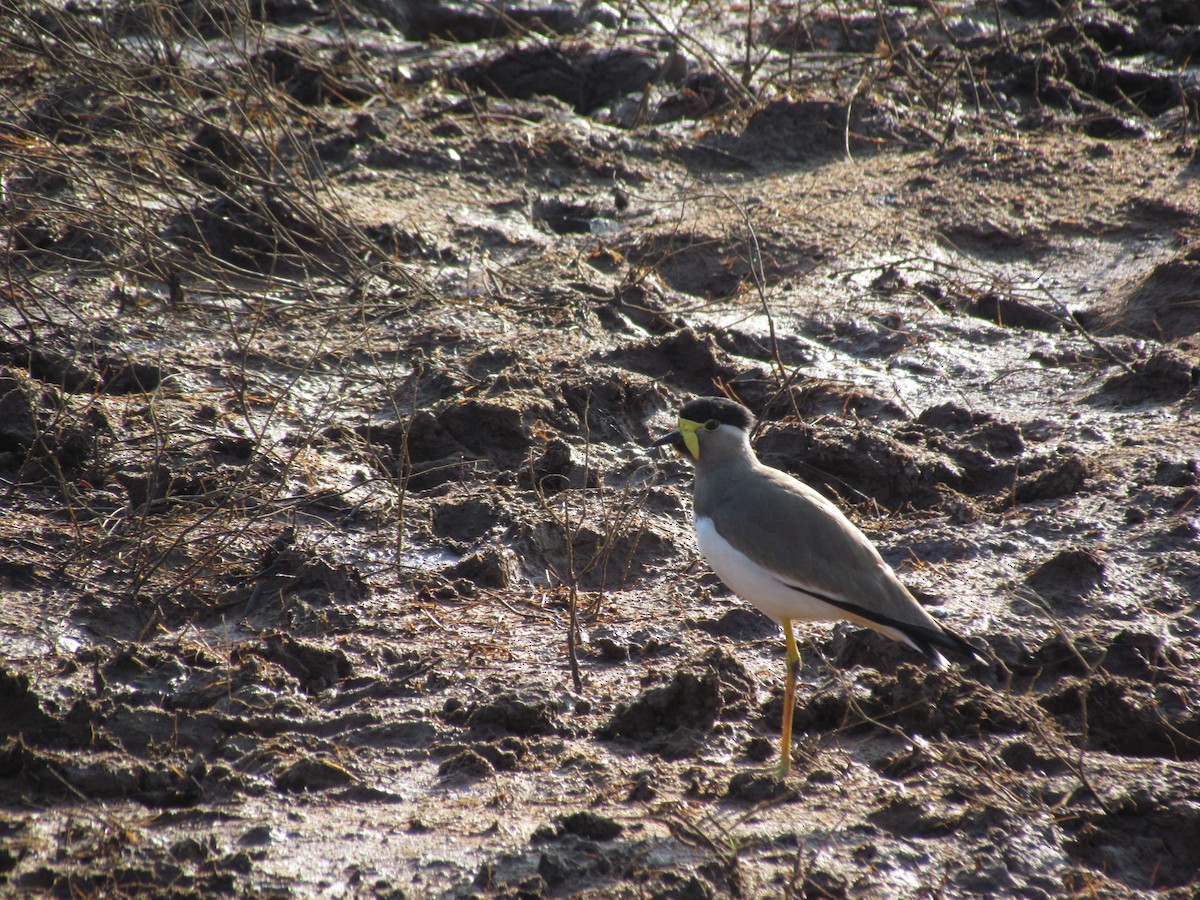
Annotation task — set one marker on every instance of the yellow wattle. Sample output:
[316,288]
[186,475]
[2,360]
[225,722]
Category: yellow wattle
[688,429]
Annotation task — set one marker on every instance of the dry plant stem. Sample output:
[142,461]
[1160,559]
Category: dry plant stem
[621,517]
[806,857]
[573,637]
[1079,765]
[711,835]
[573,585]
[568,527]
[747,72]
[404,463]
[759,277]
[224,505]
[1070,322]
[709,56]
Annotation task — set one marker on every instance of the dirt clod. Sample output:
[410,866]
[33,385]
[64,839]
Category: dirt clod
[514,714]
[1062,476]
[672,719]
[494,567]
[1069,575]
[1166,375]
[754,787]
[588,824]
[575,74]
[312,775]
[466,764]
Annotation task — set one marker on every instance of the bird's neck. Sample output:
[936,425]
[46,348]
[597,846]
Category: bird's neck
[717,478]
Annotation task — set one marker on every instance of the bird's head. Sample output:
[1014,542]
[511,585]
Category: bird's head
[708,422]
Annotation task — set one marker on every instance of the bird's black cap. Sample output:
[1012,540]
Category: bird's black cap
[704,409]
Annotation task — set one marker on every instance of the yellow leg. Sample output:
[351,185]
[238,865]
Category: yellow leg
[789,698]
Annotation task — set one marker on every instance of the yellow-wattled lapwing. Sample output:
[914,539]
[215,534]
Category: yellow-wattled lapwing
[781,546]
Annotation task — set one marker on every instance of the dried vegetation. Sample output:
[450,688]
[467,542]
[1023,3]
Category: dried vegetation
[331,336]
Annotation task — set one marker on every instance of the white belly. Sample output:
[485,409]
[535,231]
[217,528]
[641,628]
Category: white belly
[756,585]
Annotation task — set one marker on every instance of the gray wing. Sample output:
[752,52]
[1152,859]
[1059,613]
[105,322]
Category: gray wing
[814,547]
[817,550]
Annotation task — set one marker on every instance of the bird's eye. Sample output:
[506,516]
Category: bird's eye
[712,425]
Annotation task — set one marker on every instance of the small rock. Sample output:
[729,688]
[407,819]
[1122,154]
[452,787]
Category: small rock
[257,836]
[760,749]
[515,715]
[502,760]
[310,774]
[551,472]
[643,789]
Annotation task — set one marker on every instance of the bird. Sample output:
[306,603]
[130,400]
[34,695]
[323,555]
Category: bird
[784,548]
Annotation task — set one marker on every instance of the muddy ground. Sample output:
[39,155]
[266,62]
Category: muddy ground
[333,339]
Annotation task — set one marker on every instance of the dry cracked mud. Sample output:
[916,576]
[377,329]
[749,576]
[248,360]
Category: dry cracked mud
[333,561]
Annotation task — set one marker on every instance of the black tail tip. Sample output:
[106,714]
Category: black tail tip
[932,645]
